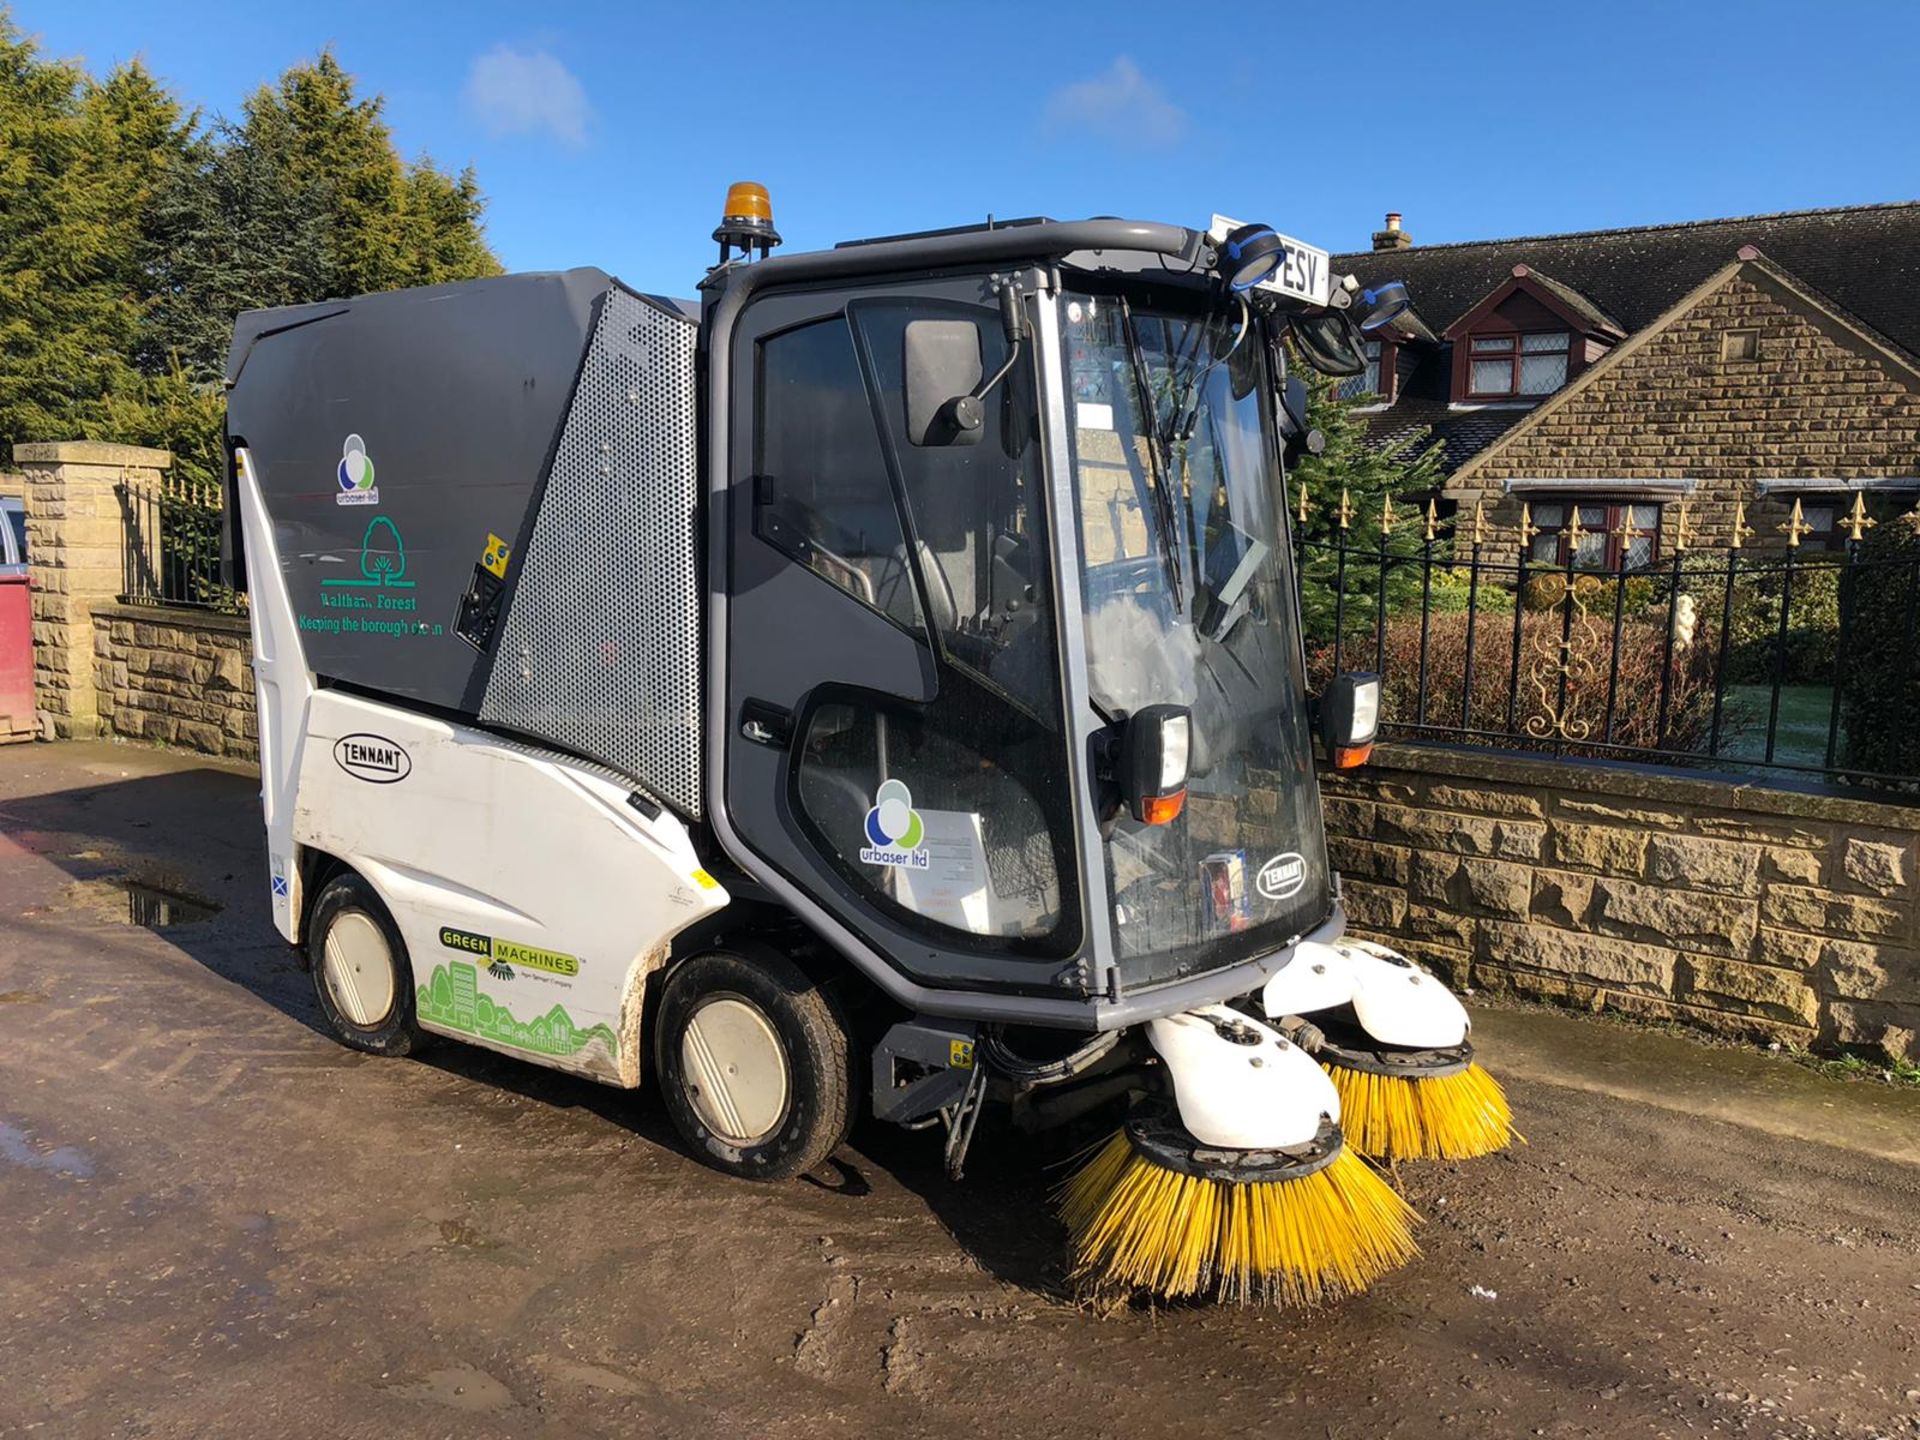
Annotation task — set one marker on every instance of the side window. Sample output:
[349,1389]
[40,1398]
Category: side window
[978,534]
[946,826]
[821,492]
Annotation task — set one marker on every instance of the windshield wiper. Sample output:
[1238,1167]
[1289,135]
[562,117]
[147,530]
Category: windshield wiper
[1164,512]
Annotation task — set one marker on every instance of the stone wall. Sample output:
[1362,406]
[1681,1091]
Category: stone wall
[74,554]
[1819,399]
[1757,912]
[176,677]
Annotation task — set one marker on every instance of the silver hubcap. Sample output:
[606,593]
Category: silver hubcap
[736,1070]
[358,969]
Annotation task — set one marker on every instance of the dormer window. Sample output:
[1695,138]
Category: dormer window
[1526,338]
[1368,381]
[1506,367]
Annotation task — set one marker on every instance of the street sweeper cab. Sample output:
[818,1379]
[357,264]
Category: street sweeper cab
[878,682]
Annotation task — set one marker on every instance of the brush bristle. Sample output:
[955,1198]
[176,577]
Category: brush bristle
[1140,1227]
[1451,1117]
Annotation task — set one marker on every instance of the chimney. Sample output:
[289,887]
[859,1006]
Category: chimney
[1393,237]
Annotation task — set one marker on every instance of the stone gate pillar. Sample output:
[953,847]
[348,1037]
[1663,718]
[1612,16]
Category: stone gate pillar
[74,555]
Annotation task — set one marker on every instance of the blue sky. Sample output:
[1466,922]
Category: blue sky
[606,133]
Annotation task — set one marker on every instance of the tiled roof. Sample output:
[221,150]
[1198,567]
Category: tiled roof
[1865,257]
[1594,317]
[1464,433]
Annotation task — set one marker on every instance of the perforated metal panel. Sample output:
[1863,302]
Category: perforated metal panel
[600,650]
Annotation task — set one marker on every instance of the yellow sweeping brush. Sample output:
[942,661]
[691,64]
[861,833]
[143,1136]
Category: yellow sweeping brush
[1428,1105]
[1155,1212]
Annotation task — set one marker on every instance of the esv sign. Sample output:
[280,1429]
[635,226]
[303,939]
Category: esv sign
[372,758]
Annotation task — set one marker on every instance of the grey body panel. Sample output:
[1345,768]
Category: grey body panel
[457,392]
[461,398]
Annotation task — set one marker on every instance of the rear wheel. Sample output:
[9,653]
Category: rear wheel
[753,1062]
[360,969]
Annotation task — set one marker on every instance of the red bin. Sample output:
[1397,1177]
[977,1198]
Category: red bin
[16,657]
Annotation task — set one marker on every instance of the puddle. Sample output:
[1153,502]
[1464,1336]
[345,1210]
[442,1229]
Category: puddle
[17,1148]
[157,909]
[461,1387]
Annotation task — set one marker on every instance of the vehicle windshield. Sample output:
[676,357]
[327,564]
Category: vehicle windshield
[1189,597]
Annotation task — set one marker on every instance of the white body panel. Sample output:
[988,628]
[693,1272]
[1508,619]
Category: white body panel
[1396,1002]
[282,688]
[533,899]
[1316,978]
[1241,1097]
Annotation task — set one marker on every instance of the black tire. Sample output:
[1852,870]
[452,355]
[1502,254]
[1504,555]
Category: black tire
[347,900]
[813,1041]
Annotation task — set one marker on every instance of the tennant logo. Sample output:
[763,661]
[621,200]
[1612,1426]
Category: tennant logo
[1282,876]
[371,757]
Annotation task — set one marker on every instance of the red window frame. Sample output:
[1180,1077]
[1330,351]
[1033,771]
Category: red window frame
[1615,542]
[1512,354]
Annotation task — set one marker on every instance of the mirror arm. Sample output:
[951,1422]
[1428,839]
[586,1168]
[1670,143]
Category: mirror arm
[985,387]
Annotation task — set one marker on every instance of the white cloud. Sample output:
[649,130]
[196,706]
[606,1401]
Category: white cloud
[514,92]
[1118,104]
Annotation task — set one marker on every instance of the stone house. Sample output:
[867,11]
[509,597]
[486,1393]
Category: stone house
[1714,372]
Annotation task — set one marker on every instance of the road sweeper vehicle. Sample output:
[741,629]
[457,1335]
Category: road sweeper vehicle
[878,683]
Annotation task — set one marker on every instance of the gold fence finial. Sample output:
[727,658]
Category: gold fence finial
[1796,525]
[1303,502]
[1479,522]
[1857,522]
[1386,515]
[1433,518]
[1682,536]
[1527,528]
[1741,530]
[1574,532]
[1346,507]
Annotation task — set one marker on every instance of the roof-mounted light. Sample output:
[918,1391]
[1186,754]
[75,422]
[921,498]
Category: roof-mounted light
[746,223]
[1250,254]
[1378,306]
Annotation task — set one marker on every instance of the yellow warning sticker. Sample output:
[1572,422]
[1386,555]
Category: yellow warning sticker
[705,881]
[496,555]
[960,1054]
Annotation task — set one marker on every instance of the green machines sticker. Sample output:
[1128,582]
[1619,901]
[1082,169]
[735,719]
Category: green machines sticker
[508,953]
[452,999]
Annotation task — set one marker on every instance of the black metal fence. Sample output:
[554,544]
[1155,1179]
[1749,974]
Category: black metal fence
[1637,644]
[170,551]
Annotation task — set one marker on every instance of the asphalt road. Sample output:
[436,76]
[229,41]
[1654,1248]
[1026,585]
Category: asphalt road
[217,1222]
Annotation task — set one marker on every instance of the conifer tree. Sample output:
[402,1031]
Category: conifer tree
[131,234]
[78,162]
[1368,477]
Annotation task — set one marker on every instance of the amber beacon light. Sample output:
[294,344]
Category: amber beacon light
[746,223]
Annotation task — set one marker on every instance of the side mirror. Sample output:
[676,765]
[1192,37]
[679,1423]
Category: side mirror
[1330,343]
[943,368]
[1350,717]
[1152,770]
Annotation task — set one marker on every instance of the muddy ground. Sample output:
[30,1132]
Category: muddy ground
[217,1222]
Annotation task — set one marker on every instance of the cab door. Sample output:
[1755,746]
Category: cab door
[895,746]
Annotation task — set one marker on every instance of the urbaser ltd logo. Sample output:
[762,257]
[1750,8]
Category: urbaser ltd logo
[895,834]
[355,474]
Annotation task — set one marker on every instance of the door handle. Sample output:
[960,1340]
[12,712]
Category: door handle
[765,723]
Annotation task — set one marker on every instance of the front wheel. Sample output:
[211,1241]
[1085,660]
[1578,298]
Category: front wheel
[360,969]
[753,1062]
